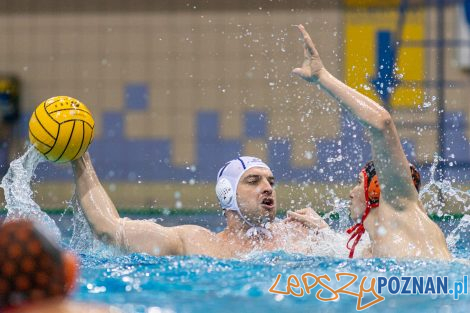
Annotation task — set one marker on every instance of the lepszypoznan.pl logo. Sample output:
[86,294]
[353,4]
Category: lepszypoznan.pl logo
[308,283]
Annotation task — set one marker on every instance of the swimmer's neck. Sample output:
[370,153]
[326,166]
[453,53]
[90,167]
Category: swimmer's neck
[237,228]
[371,224]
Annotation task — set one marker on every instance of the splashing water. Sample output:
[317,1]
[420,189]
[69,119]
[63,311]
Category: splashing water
[336,239]
[19,196]
[340,207]
[83,239]
[436,195]
[82,236]
[458,239]
[21,205]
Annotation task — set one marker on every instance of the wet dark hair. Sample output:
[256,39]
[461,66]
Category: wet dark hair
[31,266]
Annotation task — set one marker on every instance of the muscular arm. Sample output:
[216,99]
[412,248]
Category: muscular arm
[132,235]
[389,158]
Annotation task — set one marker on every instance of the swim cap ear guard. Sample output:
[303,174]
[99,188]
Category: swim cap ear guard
[373,190]
[224,192]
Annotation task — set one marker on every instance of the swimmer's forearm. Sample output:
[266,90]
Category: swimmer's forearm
[365,109]
[98,208]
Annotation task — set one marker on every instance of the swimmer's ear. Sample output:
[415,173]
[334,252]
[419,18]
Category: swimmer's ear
[374,189]
[70,270]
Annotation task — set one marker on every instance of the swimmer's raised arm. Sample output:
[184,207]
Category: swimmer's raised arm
[389,157]
[131,235]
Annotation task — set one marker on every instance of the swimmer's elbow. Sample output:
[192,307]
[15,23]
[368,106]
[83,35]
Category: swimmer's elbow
[106,238]
[384,122]
[176,246]
[110,233]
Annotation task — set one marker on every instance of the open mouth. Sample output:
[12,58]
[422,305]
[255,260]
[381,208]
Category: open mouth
[268,202]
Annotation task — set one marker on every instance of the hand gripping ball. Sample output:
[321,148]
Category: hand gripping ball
[61,128]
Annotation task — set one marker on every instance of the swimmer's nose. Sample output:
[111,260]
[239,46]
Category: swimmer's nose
[267,188]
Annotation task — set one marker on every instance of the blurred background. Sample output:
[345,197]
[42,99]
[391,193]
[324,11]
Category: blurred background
[178,88]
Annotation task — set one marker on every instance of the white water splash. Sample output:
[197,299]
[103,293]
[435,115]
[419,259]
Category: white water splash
[459,234]
[437,195]
[82,234]
[83,239]
[326,242]
[338,207]
[441,198]
[19,196]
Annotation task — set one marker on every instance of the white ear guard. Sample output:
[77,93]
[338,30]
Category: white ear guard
[224,192]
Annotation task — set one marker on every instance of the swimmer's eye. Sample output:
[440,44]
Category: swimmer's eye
[253,180]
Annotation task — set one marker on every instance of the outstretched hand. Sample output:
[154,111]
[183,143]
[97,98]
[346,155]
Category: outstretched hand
[312,65]
[308,218]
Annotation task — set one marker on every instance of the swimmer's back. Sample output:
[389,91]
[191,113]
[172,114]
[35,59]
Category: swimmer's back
[416,235]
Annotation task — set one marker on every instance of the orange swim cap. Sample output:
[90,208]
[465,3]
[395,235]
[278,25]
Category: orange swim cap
[31,266]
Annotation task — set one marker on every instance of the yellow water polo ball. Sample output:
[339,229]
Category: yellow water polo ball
[61,128]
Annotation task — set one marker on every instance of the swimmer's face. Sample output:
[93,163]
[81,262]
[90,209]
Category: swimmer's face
[256,196]
[358,198]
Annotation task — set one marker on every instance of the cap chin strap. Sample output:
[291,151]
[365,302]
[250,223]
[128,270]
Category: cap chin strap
[254,230]
[358,230]
[258,230]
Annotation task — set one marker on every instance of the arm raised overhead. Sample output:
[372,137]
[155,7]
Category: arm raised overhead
[389,158]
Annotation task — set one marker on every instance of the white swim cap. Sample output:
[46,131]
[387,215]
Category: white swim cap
[228,178]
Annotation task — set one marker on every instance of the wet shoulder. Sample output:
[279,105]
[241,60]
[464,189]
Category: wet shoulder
[401,207]
[199,240]
[194,232]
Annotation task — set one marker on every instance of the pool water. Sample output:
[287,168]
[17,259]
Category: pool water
[143,283]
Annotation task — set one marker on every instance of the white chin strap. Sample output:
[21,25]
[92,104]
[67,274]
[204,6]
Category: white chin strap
[254,230]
